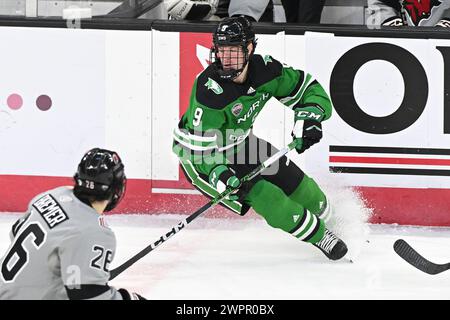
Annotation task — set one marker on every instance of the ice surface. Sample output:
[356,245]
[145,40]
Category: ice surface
[246,259]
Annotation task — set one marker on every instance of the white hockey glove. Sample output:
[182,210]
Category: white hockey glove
[445,23]
[393,22]
[191,10]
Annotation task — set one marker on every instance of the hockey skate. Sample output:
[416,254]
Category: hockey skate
[333,247]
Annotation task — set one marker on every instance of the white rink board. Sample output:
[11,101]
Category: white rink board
[122,90]
[382,77]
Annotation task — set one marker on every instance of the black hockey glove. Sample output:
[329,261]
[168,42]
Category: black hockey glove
[307,133]
[307,129]
[126,295]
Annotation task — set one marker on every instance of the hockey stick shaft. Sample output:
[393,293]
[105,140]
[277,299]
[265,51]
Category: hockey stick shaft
[115,272]
[407,253]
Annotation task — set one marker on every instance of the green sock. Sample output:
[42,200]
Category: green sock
[309,195]
[281,212]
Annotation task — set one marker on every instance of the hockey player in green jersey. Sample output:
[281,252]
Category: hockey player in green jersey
[216,147]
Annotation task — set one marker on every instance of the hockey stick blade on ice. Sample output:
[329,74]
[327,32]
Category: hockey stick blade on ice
[405,251]
[115,272]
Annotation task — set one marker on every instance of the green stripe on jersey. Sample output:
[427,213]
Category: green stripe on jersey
[206,187]
[193,141]
[290,101]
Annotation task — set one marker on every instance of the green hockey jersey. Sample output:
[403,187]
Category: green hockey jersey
[221,113]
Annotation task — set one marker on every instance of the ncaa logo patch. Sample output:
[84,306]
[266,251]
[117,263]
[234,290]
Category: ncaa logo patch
[236,109]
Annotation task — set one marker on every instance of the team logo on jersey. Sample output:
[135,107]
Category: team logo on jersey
[419,10]
[214,86]
[267,59]
[237,109]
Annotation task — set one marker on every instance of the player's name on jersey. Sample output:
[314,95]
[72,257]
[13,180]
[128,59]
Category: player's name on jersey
[50,210]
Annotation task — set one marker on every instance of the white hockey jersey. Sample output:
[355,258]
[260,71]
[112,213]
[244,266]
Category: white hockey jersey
[424,13]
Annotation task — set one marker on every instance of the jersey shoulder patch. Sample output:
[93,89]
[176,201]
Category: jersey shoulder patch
[213,92]
[264,69]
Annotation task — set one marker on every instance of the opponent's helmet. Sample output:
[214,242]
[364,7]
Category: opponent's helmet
[101,175]
[234,31]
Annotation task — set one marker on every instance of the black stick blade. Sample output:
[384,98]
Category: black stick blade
[405,251]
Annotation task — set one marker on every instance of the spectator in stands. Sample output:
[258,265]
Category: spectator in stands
[397,13]
[303,11]
[255,10]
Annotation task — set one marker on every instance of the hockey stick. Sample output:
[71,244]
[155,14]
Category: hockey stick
[115,272]
[404,250]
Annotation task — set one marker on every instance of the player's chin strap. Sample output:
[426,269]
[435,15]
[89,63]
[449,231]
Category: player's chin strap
[115,272]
